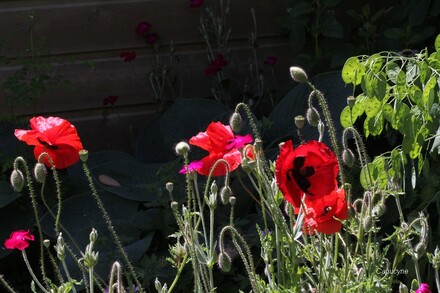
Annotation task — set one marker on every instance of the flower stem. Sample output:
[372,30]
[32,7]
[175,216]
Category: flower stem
[26,261]
[6,285]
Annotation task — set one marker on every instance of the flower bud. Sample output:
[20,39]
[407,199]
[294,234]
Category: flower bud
[235,122]
[224,262]
[17,180]
[232,200]
[225,194]
[298,74]
[182,148]
[312,117]
[83,155]
[351,101]
[348,157]
[248,165]
[367,223]
[40,172]
[299,121]
[46,243]
[403,288]
[214,188]
[174,205]
[93,235]
[169,186]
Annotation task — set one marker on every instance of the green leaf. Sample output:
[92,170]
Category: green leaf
[425,71]
[436,143]
[372,107]
[375,63]
[437,43]
[330,27]
[387,112]
[374,174]
[373,125]
[392,71]
[428,92]
[401,112]
[348,117]
[353,71]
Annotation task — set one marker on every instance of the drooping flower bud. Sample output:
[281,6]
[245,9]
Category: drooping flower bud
[348,157]
[299,121]
[235,122]
[182,148]
[298,74]
[17,180]
[225,194]
[224,261]
[312,117]
[40,172]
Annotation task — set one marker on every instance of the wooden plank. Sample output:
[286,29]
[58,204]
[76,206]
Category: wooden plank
[72,27]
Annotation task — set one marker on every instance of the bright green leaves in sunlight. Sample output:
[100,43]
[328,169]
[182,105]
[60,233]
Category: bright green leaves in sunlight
[353,71]
[375,174]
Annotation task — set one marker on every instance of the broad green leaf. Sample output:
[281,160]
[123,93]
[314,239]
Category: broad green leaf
[374,174]
[348,117]
[434,63]
[401,84]
[392,71]
[400,113]
[412,72]
[387,112]
[373,125]
[415,95]
[353,71]
[437,43]
[372,107]
[425,71]
[375,63]
[428,92]
[330,27]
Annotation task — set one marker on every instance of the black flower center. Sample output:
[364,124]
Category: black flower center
[300,174]
[52,147]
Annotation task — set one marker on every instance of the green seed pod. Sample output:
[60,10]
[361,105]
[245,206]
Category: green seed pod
[17,180]
[299,121]
[235,122]
[224,262]
[313,117]
[83,155]
[351,101]
[298,74]
[169,186]
[174,205]
[348,157]
[40,172]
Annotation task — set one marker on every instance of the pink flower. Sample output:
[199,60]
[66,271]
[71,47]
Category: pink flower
[424,288]
[196,3]
[143,28]
[152,38]
[128,56]
[194,166]
[19,240]
[271,60]
[216,65]
[110,100]
[239,141]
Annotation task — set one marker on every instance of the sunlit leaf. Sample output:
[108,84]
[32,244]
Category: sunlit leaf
[353,71]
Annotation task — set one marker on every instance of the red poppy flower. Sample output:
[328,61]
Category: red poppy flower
[216,65]
[19,240]
[309,169]
[220,142]
[152,38]
[324,214]
[55,136]
[143,28]
[128,56]
[110,100]
[196,3]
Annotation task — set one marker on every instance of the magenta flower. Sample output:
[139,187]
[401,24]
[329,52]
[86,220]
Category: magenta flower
[128,56]
[143,28]
[196,3]
[152,38]
[194,166]
[19,240]
[424,288]
[216,65]
[110,100]
[271,60]
[239,141]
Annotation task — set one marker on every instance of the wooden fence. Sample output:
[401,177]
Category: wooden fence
[86,37]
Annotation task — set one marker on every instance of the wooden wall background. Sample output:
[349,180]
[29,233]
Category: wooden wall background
[84,32]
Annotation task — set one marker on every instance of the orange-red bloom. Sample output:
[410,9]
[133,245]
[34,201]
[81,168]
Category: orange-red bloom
[220,142]
[55,136]
[19,240]
[309,169]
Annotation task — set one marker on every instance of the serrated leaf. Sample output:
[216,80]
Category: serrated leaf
[353,71]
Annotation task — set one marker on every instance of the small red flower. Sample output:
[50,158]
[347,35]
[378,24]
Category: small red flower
[55,136]
[128,56]
[19,240]
[195,3]
[220,142]
[110,100]
[216,65]
[309,169]
[324,214]
[424,288]
[194,166]
[271,60]
[143,28]
[152,38]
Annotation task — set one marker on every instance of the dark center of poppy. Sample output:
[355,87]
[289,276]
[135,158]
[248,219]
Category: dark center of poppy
[52,147]
[326,210]
[300,174]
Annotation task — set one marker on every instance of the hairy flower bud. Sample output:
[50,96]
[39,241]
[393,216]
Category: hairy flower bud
[225,194]
[17,180]
[312,117]
[235,122]
[298,74]
[224,261]
[182,148]
[299,121]
[348,157]
[367,223]
[40,172]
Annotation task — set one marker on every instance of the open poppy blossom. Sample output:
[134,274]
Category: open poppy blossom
[324,214]
[309,169]
[55,136]
[19,240]
[220,142]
